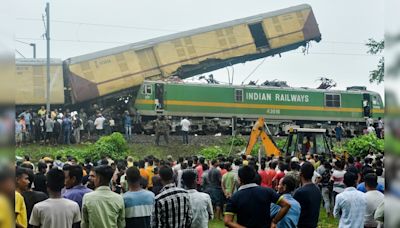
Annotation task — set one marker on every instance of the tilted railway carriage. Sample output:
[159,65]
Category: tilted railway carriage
[278,105]
[191,52]
[31,81]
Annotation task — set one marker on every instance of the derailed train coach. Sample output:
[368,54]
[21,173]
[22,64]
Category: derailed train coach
[189,53]
[31,81]
[203,103]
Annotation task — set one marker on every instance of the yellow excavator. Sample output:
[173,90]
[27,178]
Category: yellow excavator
[259,130]
[299,141]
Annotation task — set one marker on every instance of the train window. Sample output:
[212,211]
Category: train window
[238,95]
[332,100]
[375,101]
[147,90]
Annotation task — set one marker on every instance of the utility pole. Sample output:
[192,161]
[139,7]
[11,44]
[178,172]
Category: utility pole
[34,49]
[48,57]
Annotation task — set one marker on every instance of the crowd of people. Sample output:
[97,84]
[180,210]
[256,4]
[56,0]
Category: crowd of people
[66,127]
[189,192]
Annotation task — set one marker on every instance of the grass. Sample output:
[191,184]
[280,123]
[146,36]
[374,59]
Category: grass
[324,221]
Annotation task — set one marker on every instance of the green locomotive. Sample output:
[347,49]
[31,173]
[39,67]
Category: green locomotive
[213,107]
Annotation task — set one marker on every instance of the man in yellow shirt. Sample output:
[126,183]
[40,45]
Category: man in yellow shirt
[21,218]
[6,216]
[7,186]
[42,111]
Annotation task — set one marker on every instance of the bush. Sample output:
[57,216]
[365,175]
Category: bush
[113,145]
[361,145]
[280,143]
[37,153]
[212,152]
[237,141]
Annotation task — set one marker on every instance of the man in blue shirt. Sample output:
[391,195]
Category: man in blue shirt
[285,187]
[128,125]
[338,133]
[361,187]
[67,127]
[73,184]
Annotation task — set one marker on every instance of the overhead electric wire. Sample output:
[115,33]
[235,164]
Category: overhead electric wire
[22,42]
[20,53]
[254,69]
[99,24]
[215,48]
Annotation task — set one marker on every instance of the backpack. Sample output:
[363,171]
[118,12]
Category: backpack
[77,123]
[326,177]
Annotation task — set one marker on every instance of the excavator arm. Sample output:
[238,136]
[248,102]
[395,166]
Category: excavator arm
[257,131]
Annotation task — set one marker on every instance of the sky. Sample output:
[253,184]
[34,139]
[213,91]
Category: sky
[81,27]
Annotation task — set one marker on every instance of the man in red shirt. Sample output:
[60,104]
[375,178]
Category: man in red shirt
[270,174]
[279,175]
[263,174]
[199,169]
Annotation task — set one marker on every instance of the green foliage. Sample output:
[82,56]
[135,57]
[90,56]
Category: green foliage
[237,141]
[361,145]
[36,153]
[212,152]
[254,151]
[280,142]
[338,149]
[376,47]
[113,145]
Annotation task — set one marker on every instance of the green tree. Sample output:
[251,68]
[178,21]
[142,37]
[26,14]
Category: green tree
[376,47]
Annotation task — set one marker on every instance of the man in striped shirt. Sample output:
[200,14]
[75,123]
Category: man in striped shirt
[172,205]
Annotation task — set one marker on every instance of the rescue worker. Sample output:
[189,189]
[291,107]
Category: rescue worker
[161,127]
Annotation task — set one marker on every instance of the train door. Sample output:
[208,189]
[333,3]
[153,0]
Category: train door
[258,34]
[159,96]
[366,103]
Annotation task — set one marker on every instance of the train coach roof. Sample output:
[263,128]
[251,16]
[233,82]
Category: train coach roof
[262,87]
[150,42]
[40,61]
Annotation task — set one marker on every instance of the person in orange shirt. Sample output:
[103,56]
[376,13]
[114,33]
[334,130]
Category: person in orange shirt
[150,173]
[143,172]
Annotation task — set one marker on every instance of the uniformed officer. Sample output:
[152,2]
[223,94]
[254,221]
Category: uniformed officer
[161,127]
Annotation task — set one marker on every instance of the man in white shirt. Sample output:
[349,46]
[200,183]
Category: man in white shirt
[351,204]
[99,124]
[374,199]
[201,202]
[371,129]
[369,121]
[185,123]
[55,212]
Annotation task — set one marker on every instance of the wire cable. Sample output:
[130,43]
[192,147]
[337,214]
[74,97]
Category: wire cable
[20,53]
[254,69]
